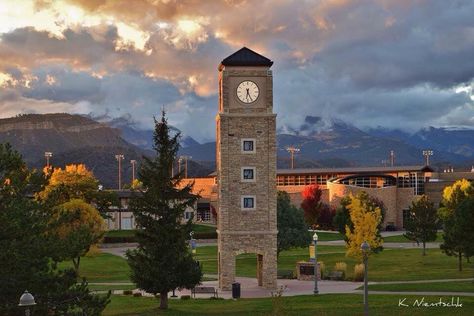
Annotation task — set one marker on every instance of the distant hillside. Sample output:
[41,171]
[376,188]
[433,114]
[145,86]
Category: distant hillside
[76,139]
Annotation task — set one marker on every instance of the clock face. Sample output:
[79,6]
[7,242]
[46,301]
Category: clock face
[247,91]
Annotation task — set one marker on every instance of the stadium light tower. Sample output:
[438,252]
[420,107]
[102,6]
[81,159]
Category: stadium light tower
[48,156]
[292,150]
[134,163]
[427,153]
[119,158]
[185,159]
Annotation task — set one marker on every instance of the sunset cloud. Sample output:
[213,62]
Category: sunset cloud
[372,62]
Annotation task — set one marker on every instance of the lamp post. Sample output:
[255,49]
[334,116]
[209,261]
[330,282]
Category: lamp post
[315,240]
[365,247]
[27,300]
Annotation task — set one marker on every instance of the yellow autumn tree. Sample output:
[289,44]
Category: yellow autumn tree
[453,195]
[72,182]
[79,226]
[365,221]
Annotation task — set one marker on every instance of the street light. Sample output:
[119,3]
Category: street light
[27,300]
[315,240]
[365,247]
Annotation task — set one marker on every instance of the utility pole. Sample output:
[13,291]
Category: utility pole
[185,158]
[48,155]
[427,153]
[119,158]
[292,150]
[392,158]
[133,162]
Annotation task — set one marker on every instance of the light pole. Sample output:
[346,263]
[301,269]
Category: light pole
[48,155]
[133,162]
[27,300]
[119,158]
[365,247]
[315,240]
[427,154]
[185,158]
[392,158]
[292,150]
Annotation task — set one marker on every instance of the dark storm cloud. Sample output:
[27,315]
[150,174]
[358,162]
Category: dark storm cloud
[370,62]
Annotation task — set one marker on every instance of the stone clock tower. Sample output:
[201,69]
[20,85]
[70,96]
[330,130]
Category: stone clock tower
[246,167]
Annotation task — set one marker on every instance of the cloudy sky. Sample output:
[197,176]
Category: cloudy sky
[399,63]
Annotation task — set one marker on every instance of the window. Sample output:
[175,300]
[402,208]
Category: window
[248,202]
[248,145]
[248,174]
[188,215]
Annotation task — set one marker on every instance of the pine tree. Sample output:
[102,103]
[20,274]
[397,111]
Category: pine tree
[423,221]
[162,261]
[292,229]
[30,251]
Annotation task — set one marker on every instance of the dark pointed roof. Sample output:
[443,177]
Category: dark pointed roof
[246,57]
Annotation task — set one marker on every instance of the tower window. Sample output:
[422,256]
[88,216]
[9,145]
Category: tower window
[248,174]
[248,202]
[248,145]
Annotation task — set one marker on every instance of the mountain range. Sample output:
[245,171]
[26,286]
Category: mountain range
[322,143]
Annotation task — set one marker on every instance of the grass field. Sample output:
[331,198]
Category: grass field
[389,265]
[328,304]
[131,233]
[461,286]
[102,268]
[401,238]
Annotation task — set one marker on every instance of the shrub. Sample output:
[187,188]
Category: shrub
[185,297]
[286,274]
[127,292]
[205,235]
[359,272]
[342,267]
[137,294]
[322,268]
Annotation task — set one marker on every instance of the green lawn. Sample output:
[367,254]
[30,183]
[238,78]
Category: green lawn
[389,265]
[461,286]
[101,287]
[401,238]
[198,228]
[328,304]
[102,268]
[329,236]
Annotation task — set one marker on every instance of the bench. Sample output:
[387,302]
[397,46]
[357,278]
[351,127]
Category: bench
[336,275]
[204,290]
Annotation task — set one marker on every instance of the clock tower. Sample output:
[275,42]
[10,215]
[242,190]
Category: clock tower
[246,167]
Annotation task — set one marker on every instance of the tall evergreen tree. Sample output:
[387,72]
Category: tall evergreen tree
[423,221]
[162,261]
[30,250]
[292,228]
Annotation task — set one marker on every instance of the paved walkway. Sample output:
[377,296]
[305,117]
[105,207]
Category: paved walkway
[250,289]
